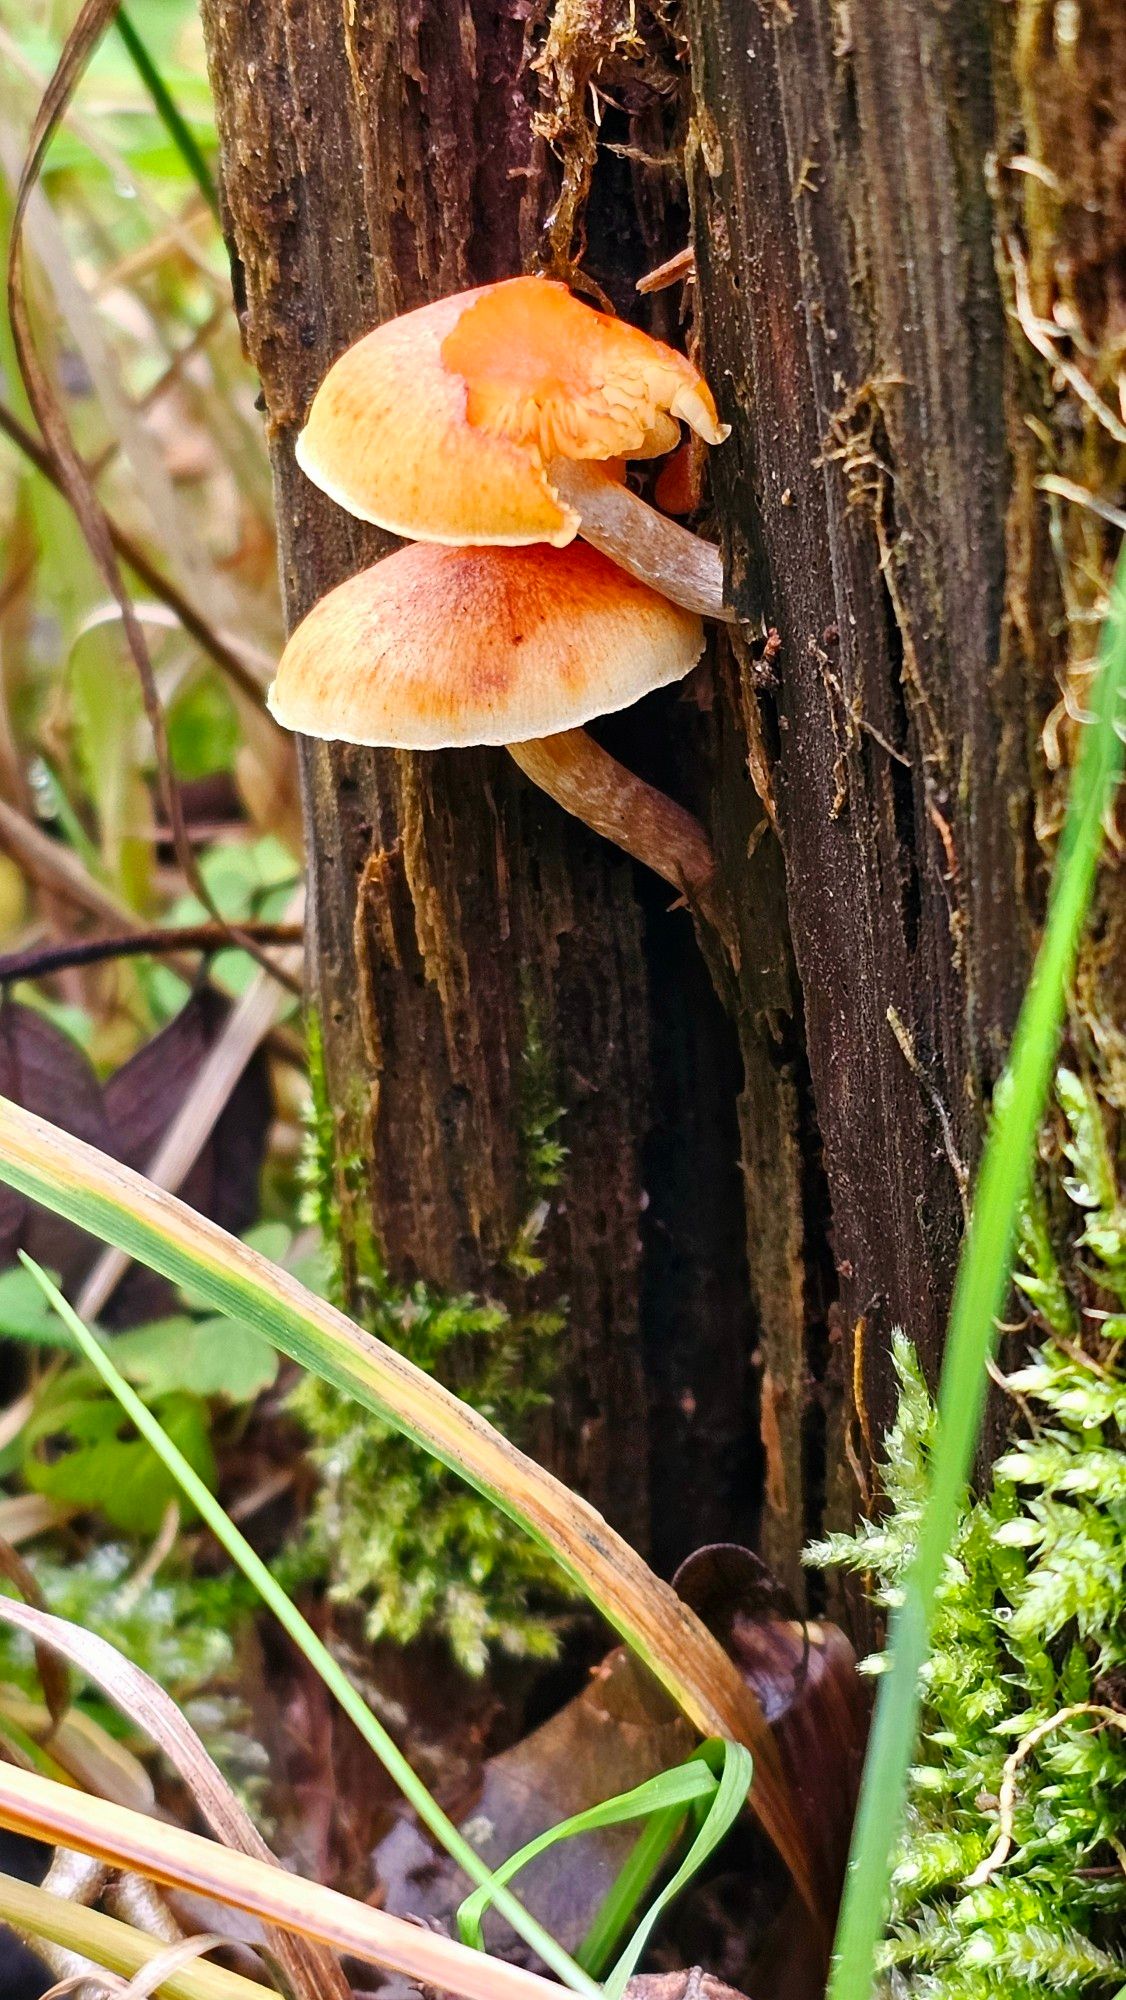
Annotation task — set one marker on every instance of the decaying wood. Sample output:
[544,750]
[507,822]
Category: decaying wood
[373,157]
[854,331]
[782,1176]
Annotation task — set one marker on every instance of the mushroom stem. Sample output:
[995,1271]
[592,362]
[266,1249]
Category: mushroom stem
[634,535]
[585,780]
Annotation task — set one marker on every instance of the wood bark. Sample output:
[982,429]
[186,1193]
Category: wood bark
[755,1191]
[855,332]
[375,156]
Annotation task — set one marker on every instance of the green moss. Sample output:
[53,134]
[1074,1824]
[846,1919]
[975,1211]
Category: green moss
[1031,1621]
[390,1529]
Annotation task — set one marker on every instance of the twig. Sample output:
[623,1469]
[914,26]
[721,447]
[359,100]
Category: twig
[160,941]
[671,272]
[135,1586]
[58,868]
[1043,334]
[1069,489]
[958,1166]
[1007,1797]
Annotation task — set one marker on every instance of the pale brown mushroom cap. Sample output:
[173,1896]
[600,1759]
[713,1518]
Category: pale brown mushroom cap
[437,648]
[440,425]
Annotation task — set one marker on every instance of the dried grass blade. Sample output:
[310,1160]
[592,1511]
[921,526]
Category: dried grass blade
[44,1810]
[123,1208]
[313,1972]
[35,1913]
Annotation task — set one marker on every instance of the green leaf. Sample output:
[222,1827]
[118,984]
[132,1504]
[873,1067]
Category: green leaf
[209,1357]
[78,1450]
[25,1314]
[203,732]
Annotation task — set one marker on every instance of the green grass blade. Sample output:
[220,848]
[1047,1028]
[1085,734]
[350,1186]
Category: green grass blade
[314,1650]
[178,129]
[724,1810]
[679,1788]
[611,1920]
[979,1297]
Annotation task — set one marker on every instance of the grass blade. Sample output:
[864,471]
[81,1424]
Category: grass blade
[692,1781]
[611,1920]
[121,1207]
[734,1781]
[312,1974]
[117,1946]
[179,131]
[313,1648]
[48,1811]
[979,1296]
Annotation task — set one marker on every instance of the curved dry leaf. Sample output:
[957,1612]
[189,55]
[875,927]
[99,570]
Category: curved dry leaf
[313,1972]
[53,1677]
[83,1751]
[152,1976]
[805,1675]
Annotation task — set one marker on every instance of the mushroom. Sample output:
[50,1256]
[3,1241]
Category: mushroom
[492,417]
[443,648]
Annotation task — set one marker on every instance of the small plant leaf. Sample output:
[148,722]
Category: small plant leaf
[210,1357]
[25,1314]
[77,1452]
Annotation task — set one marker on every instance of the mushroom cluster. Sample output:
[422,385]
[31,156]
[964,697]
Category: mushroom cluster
[491,430]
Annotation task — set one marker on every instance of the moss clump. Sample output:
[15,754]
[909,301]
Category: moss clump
[391,1529]
[1027,1676]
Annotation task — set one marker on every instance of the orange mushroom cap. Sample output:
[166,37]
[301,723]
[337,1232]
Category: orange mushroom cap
[439,426]
[437,648]
[545,369]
